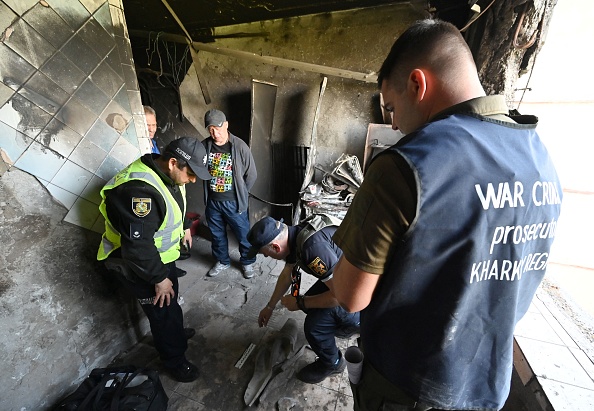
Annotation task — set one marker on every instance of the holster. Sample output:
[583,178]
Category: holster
[119,266]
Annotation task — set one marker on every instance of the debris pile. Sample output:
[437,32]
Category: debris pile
[334,194]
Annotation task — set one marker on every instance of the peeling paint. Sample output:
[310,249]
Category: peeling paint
[6,35]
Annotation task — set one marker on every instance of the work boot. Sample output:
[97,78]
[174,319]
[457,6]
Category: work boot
[217,269]
[184,372]
[248,270]
[318,371]
[180,272]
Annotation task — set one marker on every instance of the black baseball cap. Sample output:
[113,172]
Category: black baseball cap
[193,152]
[262,233]
[215,118]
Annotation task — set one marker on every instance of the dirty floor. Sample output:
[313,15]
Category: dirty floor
[224,312]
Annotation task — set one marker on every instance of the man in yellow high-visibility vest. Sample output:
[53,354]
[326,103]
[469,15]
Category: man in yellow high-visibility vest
[144,207]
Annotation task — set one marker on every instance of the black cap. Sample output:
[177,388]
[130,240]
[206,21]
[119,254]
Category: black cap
[193,152]
[214,118]
[262,233]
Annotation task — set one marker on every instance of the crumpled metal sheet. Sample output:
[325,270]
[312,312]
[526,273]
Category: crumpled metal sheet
[270,359]
[334,194]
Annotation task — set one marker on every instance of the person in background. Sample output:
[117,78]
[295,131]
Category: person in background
[144,208]
[448,237]
[307,247]
[151,124]
[233,173]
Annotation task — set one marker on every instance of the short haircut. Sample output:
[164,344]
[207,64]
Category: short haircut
[149,110]
[429,43]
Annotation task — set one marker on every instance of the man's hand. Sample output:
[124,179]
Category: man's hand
[188,238]
[264,316]
[289,302]
[164,292]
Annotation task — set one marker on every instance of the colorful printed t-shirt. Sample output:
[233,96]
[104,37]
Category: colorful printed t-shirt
[220,165]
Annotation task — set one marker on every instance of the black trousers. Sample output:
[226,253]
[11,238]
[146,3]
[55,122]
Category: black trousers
[167,322]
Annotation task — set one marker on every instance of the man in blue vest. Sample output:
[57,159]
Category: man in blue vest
[144,209]
[448,237]
[307,247]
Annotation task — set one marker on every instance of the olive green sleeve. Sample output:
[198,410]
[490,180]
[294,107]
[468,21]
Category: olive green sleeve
[379,215]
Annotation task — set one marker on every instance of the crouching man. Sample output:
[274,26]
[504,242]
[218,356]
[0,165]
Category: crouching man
[307,247]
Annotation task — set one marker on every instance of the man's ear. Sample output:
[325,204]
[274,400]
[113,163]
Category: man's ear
[275,247]
[417,84]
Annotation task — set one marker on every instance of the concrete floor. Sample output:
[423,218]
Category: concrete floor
[224,312]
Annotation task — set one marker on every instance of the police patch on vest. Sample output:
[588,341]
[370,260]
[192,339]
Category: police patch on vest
[141,206]
[318,266]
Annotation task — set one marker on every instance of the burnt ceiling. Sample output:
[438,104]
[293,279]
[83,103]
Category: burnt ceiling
[199,17]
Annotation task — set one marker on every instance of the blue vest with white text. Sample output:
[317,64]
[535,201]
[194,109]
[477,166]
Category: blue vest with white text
[441,322]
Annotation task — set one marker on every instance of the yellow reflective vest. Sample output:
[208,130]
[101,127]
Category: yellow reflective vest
[168,236]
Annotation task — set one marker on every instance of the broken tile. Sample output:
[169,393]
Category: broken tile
[12,143]
[83,214]
[40,161]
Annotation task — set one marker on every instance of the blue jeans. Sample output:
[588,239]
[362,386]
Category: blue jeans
[219,214]
[322,325]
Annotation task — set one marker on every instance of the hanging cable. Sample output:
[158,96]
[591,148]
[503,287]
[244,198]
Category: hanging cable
[476,17]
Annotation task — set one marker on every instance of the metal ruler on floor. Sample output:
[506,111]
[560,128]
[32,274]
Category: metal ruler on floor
[245,355]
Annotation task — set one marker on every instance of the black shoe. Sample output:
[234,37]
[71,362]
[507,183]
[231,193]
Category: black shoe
[190,332]
[318,371]
[184,372]
[180,272]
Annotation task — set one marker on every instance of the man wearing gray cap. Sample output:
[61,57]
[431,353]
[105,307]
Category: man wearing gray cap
[144,207]
[233,173]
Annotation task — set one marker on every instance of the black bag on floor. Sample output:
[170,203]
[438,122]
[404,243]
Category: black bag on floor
[123,388]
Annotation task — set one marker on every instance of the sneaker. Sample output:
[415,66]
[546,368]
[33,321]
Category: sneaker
[248,270]
[184,372]
[217,269]
[318,371]
[180,300]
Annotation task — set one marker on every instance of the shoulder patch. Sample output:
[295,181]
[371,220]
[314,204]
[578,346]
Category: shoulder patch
[136,231]
[141,206]
[318,266]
